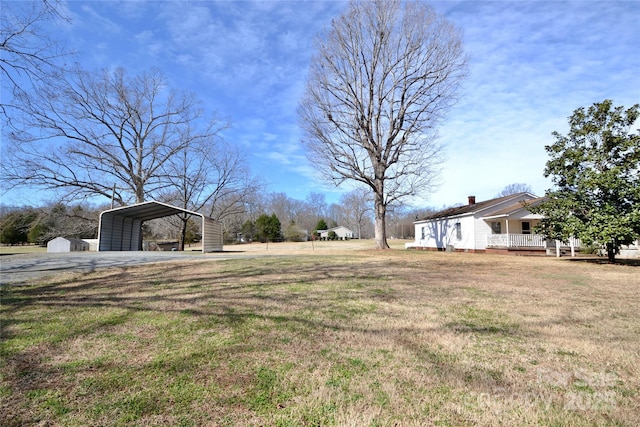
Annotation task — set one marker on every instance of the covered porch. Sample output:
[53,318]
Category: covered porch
[512,233]
[514,230]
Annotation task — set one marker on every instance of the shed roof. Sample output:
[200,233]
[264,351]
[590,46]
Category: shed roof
[69,239]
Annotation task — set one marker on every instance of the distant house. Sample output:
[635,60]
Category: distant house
[500,225]
[65,244]
[342,233]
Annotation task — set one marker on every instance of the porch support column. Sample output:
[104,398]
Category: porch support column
[573,248]
[508,239]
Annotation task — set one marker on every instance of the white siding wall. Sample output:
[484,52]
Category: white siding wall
[483,229]
[59,244]
[468,234]
[438,234]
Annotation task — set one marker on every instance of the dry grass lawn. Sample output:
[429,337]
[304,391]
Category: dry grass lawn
[327,337]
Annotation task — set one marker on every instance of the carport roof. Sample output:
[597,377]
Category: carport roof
[148,210]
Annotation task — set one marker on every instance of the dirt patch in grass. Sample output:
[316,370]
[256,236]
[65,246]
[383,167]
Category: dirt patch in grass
[327,337]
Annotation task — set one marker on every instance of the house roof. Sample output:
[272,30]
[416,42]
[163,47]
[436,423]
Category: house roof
[522,204]
[334,229]
[476,207]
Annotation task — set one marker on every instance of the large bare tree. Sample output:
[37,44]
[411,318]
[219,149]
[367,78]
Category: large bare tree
[211,177]
[384,75]
[104,133]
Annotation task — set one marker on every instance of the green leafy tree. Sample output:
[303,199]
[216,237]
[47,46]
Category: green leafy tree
[268,228]
[248,230]
[322,225]
[38,232]
[15,226]
[596,171]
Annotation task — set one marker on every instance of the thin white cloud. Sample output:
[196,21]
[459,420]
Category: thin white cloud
[531,64]
[99,20]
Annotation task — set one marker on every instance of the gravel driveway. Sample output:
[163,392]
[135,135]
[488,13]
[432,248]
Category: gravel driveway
[22,268]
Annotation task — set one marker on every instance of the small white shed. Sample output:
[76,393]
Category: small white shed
[65,244]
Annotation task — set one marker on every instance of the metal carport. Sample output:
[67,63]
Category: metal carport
[120,229]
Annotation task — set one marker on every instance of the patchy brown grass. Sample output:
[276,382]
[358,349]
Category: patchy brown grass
[327,337]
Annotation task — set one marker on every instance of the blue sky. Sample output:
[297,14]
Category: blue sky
[531,64]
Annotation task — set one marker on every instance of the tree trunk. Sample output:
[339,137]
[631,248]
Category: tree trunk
[380,227]
[611,252]
[183,234]
[139,188]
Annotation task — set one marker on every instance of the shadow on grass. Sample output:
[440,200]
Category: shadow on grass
[605,261]
[262,303]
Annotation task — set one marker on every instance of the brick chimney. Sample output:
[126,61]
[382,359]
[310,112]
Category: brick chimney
[472,200]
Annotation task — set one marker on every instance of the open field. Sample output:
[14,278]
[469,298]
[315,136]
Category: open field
[329,336]
[24,249]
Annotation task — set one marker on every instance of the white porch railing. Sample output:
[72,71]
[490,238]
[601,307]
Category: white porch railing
[516,241]
[524,241]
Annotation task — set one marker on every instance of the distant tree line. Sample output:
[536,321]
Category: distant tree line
[270,217]
[39,225]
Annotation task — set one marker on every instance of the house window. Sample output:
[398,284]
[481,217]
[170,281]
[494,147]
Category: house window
[526,227]
[496,227]
[458,231]
[424,233]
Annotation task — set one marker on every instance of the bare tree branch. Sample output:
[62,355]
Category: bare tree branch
[93,130]
[28,54]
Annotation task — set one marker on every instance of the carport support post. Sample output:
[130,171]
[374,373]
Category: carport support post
[140,237]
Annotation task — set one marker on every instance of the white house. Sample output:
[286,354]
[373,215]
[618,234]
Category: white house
[500,225]
[342,233]
[64,244]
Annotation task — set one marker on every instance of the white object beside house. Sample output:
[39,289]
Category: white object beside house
[500,225]
[64,244]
